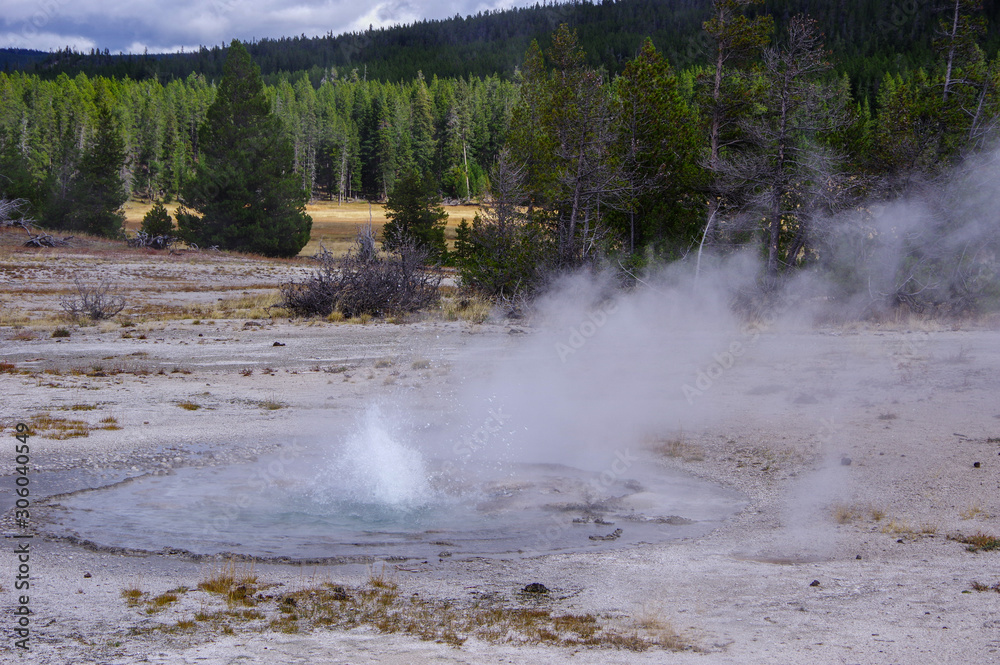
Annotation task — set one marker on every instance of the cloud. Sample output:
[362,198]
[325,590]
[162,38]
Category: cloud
[138,25]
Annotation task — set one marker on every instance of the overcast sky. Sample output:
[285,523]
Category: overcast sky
[136,25]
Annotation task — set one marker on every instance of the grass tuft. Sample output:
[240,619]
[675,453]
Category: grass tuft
[980,542]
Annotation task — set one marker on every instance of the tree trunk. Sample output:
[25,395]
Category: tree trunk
[951,51]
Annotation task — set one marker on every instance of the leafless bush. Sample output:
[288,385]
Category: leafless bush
[365,281]
[95,302]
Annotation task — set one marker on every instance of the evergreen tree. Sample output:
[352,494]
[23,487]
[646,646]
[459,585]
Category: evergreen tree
[245,187]
[157,222]
[415,214]
[659,144]
[93,201]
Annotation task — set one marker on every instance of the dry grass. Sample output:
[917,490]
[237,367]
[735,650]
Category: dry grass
[679,448]
[380,604]
[972,511]
[14,318]
[473,309]
[897,527]
[980,542]
[163,600]
[336,225]
[49,427]
[132,594]
[845,514]
[236,582]
[271,404]
[189,406]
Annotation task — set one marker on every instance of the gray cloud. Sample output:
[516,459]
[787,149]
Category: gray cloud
[135,25]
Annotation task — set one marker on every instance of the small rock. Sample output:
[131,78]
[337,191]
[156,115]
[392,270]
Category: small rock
[976,465]
[87,575]
[535,587]
[277,344]
[845,461]
[814,583]
[614,535]
[858,557]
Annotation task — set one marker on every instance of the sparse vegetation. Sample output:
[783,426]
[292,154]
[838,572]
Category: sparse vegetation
[236,582]
[471,309]
[365,282]
[189,406]
[980,587]
[678,447]
[379,603]
[132,595]
[94,302]
[50,427]
[972,511]
[980,542]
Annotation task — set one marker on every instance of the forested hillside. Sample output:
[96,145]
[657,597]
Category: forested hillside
[867,39]
[745,131]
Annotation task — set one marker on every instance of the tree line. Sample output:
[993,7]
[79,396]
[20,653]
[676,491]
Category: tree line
[351,137]
[759,139]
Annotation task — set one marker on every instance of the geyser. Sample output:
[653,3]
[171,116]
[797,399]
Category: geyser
[377,495]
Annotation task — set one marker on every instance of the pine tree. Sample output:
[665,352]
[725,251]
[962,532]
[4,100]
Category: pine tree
[96,193]
[157,222]
[245,187]
[415,214]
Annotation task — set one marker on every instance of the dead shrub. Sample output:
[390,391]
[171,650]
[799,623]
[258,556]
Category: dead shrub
[365,282]
[95,302]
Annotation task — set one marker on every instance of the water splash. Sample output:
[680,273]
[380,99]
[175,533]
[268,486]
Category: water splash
[375,467]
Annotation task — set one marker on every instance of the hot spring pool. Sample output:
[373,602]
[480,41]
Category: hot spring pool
[520,509]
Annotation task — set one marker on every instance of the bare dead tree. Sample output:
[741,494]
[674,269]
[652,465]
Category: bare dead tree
[784,176]
[13,213]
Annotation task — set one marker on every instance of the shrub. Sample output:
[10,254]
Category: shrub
[95,302]
[504,254]
[502,260]
[365,282]
[156,230]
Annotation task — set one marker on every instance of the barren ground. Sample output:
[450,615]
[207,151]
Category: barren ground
[871,571]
